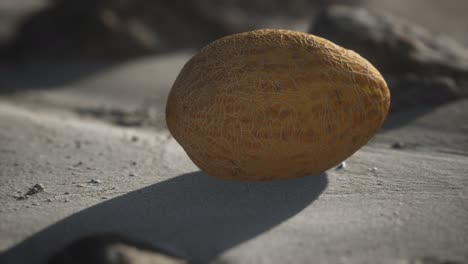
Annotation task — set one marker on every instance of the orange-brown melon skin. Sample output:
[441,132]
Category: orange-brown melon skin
[274,104]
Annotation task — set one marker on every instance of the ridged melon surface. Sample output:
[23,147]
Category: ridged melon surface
[274,104]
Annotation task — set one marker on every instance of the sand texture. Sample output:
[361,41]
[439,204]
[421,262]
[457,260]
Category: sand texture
[387,206]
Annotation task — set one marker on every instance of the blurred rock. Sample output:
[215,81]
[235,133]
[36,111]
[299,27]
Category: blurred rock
[112,249]
[128,28]
[391,44]
[111,29]
[420,67]
[409,90]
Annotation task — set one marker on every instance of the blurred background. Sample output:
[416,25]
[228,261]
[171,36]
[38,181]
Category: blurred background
[83,88]
[63,29]
[418,45]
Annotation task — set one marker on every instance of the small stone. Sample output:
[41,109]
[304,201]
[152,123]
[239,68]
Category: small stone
[80,185]
[132,175]
[95,181]
[35,204]
[134,138]
[49,200]
[66,193]
[113,248]
[37,188]
[104,198]
[341,166]
[398,145]
[21,197]
[79,163]
[374,169]
[134,163]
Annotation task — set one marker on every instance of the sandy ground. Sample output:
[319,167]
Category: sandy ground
[387,206]
[68,124]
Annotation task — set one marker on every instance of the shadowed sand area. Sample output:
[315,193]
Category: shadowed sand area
[194,215]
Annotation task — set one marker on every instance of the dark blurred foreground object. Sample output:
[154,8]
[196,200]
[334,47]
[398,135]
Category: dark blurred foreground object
[112,249]
[120,29]
[421,69]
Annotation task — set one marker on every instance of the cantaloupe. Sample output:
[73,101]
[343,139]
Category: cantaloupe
[274,104]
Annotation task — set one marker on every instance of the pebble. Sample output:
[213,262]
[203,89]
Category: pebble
[134,138]
[341,166]
[132,175]
[78,164]
[37,188]
[398,145]
[96,181]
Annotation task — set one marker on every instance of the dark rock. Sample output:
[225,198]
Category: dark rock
[392,44]
[37,188]
[398,145]
[113,249]
[112,29]
[409,90]
[420,67]
[128,28]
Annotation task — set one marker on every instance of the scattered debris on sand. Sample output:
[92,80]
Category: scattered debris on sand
[37,188]
[143,117]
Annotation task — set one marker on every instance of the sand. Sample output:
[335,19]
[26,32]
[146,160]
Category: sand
[387,206]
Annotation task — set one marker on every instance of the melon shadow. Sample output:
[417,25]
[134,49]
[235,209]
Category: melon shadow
[194,215]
